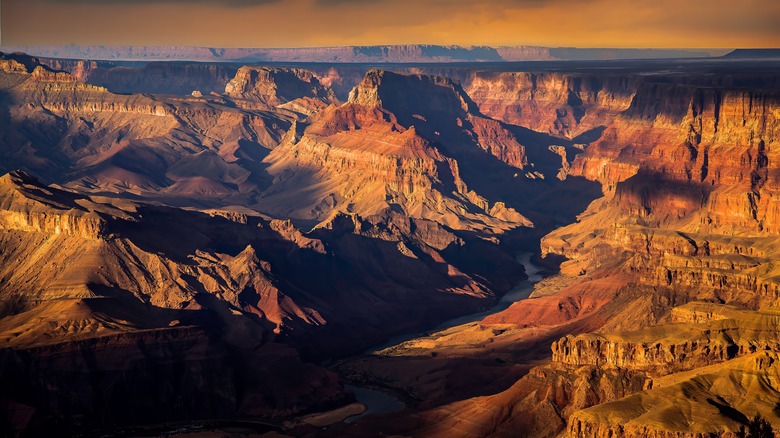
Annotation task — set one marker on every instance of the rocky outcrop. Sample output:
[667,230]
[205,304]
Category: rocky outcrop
[28,206]
[18,62]
[295,89]
[435,105]
[10,65]
[692,238]
[538,404]
[667,297]
[721,398]
[403,167]
[562,104]
[717,335]
[565,163]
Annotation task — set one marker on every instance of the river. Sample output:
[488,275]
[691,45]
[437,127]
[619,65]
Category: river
[380,402]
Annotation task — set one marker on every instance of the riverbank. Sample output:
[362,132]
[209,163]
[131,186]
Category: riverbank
[376,376]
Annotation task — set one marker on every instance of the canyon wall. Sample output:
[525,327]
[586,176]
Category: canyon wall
[689,212]
[662,318]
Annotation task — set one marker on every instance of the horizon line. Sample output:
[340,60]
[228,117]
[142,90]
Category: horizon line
[475,46]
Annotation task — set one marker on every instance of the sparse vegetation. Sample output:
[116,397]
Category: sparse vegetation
[758,427]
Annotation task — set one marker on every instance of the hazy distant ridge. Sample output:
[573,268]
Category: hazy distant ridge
[754,54]
[349,54]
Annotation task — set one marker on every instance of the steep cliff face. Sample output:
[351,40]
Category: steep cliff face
[693,160]
[687,174]
[662,319]
[404,161]
[60,92]
[717,334]
[154,77]
[561,104]
[28,207]
[295,89]
[716,398]
[689,213]
[703,135]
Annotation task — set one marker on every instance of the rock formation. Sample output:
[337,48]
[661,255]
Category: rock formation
[405,162]
[561,104]
[296,90]
[641,341]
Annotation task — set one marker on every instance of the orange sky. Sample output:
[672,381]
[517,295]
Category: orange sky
[299,23]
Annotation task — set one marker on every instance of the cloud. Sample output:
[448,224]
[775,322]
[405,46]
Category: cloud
[225,3]
[348,2]
[300,23]
[452,3]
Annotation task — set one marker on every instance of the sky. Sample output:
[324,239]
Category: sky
[314,23]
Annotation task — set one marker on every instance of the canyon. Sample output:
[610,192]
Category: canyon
[168,255]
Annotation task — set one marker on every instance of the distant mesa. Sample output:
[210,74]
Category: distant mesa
[753,54]
[410,53]
[586,54]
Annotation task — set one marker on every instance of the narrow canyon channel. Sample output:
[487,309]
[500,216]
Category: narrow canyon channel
[382,402]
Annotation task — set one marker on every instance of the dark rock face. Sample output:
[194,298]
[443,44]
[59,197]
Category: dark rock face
[154,376]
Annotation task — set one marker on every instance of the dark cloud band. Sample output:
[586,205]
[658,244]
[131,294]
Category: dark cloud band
[226,3]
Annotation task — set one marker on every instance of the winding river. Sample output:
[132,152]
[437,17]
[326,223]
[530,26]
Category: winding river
[380,402]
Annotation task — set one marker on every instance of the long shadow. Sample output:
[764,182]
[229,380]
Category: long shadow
[644,192]
[590,135]
[5,128]
[173,365]
[41,131]
[163,77]
[439,110]
[363,287]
